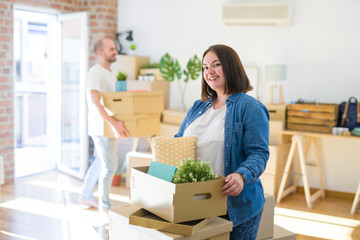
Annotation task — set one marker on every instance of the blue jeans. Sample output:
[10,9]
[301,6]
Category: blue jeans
[103,168]
[247,230]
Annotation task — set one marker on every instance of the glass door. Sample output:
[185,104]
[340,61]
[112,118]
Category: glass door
[73,137]
[33,81]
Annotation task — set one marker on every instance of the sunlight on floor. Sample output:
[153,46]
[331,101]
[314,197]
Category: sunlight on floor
[80,221]
[16,235]
[64,184]
[316,225]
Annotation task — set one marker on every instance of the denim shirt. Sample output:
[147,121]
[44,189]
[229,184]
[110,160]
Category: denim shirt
[246,149]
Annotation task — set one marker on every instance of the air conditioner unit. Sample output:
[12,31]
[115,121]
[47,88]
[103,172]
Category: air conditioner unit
[256,13]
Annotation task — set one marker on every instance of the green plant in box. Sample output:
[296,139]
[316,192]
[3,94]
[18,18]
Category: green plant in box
[193,170]
[121,76]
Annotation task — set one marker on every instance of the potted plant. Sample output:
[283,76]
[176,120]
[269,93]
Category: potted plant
[116,179]
[121,82]
[132,49]
[171,70]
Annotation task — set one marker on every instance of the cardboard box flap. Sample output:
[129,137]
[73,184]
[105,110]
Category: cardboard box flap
[119,217]
[146,219]
[142,173]
[162,194]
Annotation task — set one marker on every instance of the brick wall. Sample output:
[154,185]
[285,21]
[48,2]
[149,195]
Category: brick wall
[102,22]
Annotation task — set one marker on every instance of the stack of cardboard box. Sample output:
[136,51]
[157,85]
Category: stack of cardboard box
[182,209]
[140,111]
[278,150]
[131,222]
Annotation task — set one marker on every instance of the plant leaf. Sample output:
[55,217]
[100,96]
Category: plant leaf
[169,68]
[193,68]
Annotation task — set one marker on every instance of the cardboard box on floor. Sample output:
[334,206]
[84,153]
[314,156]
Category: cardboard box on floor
[275,168]
[275,128]
[137,125]
[119,228]
[266,227]
[177,202]
[130,103]
[283,234]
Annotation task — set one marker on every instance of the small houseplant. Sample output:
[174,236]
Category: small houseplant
[116,179]
[121,82]
[132,47]
[193,170]
[171,70]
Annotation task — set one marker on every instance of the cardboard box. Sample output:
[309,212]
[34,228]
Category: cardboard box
[147,219]
[130,103]
[276,127]
[277,111]
[168,130]
[177,202]
[154,71]
[173,116]
[283,234]
[129,64]
[266,227]
[271,182]
[119,228]
[136,159]
[137,125]
[277,158]
[135,85]
[274,170]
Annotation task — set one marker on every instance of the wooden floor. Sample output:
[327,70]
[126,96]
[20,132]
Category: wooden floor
[45,207]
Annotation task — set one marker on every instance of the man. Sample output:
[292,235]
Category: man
[101,79]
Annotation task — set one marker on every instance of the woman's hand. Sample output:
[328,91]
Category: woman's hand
[234,184]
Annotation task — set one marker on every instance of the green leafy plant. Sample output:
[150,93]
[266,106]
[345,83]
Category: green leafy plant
[193,170]
[121,76]
[133,46]
[171,70]
[150,65]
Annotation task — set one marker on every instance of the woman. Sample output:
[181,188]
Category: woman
[232,130]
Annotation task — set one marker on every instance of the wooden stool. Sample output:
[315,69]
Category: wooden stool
[297,142]
[356,200]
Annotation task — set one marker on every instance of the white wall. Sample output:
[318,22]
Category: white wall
[321,47]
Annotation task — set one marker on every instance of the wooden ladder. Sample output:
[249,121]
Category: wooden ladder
[297,142]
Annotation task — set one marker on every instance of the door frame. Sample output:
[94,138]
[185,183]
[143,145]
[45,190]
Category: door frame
[84,57]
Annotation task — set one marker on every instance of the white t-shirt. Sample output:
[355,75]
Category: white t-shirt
[209,130]
[100,79]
